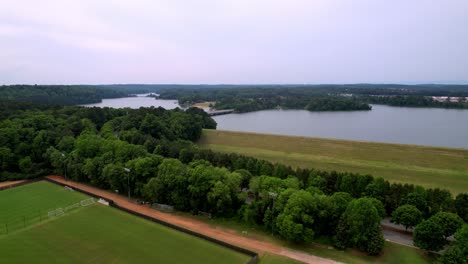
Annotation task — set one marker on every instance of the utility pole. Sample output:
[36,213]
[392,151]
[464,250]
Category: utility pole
[128,180]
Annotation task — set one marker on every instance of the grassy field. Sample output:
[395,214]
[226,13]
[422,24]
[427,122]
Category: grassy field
[273,259]
[28,204]
[203,105]
[426,166]
[97,234]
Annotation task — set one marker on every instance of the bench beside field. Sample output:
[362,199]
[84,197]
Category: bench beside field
[426,166]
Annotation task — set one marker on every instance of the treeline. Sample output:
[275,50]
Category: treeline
[58,94]
[302,204]
[336,104]
[197,93]
[414,101]
[25,135]
[95,145]
[317,103]
[246,98]
[392,195]
[317,98]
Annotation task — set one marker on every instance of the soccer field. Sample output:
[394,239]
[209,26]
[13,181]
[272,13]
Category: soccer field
[96,234]
[29,204]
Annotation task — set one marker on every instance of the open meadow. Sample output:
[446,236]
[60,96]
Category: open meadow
[94,233]
[427,166]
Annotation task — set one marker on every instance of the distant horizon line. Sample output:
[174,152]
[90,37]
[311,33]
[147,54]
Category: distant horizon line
[259,84]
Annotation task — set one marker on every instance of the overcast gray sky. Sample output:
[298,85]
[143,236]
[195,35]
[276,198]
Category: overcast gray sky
[237,41]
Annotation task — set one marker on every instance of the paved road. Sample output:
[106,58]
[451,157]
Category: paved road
[397,233]
[229,236]
[397,237]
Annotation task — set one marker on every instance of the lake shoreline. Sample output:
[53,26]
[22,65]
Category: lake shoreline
[436,127]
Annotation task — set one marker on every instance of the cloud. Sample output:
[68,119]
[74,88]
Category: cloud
[272,41]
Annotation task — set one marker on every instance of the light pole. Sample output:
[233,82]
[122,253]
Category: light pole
[273,196]
[64,166]
[127,170]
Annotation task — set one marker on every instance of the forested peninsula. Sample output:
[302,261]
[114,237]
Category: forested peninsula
[320,97]
[248,98]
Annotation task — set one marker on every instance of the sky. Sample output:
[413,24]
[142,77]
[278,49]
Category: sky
[235,42]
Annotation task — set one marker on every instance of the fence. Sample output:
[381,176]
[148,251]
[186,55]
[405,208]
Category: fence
[162,207]
[38,216]
[254,256]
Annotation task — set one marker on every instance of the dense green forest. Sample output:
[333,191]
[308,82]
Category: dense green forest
[413,101]
[317,97]
[247,98]
[94,145]
[58,94]
[316,103]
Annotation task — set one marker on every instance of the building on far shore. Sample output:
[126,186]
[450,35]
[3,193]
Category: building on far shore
[449,99]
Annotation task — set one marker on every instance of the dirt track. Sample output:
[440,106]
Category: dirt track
[7,184]
[200,227]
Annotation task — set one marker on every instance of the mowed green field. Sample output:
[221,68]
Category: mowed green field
[427,166]
[30,203]
[98,234]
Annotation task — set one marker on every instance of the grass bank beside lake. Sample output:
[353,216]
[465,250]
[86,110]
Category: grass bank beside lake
[427,166]
[204,105]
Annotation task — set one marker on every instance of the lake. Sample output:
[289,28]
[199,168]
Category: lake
[136,102]
[405,125]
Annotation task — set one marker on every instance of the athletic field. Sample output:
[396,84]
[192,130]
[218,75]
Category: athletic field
[94,233]
[427,166]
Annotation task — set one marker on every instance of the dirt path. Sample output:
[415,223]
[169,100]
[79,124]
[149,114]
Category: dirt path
[200,227]
[8,184]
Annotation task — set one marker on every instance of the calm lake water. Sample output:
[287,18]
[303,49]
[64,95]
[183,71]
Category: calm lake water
[405,125]
[136,102]
[420,126]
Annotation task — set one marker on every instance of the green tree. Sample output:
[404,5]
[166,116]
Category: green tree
[25,164]
[379,206]
[317,181]
[449,222]
[360,227]
[201,179]
[377,189]
[219,198]
[246,176]
[170,185]
[458,252]
[340,201]
[417,199]
[407,215]
[116,177]
[66,144]
[461,206]
[296,221]
[429,235]
[439,200]
[6,158]
[57,159]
